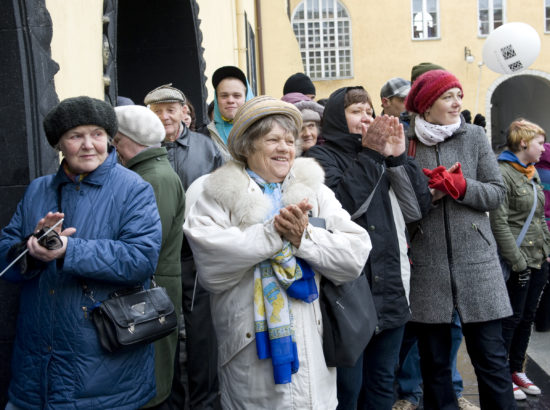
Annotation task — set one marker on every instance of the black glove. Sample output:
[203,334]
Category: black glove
[480,120]
[467,116]
[523,277]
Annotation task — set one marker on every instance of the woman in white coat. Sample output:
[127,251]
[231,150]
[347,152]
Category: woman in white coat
[259,254]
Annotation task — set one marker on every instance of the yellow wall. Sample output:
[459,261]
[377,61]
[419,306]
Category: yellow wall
[383,48]
[76,47]
[224,38]
[280,47]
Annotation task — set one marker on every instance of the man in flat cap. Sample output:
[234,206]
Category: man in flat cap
[192,155]
[231,90]
[393,95]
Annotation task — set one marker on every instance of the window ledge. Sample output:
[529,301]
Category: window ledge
[426,39]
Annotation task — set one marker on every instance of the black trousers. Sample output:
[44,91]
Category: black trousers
[487,352]
[516,329]
[201,345]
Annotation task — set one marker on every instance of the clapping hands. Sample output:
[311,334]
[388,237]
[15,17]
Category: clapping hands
[385,135]
[292,221]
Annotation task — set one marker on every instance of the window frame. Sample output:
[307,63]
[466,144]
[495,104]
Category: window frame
[321,51]
[424,10]
[546,16]
[491,21]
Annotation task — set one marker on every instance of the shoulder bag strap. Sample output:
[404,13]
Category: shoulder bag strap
[519,240]
[363,208]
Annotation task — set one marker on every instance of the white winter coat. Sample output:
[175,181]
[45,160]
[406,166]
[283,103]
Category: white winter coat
[228,235]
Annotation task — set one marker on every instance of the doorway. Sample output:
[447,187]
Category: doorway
[159,42]
[524,95]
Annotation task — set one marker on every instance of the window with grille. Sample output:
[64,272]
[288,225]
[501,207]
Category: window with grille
[323,31]
[490,15]
[547,16]
[425,19]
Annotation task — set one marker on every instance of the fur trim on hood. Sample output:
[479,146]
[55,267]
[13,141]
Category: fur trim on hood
[231,186]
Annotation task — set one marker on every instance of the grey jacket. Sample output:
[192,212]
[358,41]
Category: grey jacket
[192,155]
[454,256]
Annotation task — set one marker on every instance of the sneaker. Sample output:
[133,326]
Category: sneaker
[464,404]
[523,382]
[518,393]
[404,405]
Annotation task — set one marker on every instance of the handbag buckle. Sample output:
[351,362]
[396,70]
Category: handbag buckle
[162,320]
[132,328]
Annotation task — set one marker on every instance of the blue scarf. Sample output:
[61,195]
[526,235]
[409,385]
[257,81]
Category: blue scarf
[509,156]
[276,281]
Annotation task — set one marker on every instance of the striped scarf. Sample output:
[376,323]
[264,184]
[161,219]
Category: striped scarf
[276,281]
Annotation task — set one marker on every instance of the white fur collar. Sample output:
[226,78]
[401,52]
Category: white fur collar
[232,187]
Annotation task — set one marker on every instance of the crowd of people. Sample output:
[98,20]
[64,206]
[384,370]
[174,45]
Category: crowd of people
[240,218]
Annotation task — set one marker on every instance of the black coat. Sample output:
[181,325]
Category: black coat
[352,172]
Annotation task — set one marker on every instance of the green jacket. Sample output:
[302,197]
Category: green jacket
[508,219]
[153,166]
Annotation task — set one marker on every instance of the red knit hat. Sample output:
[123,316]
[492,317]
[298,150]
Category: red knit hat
[428,88]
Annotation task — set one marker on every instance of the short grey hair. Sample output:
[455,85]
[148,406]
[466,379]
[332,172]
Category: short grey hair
[245,146]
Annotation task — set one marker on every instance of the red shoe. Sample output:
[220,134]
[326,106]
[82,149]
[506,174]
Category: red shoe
[525,384]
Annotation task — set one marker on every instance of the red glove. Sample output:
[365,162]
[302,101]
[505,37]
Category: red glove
[452,184]
[459,181]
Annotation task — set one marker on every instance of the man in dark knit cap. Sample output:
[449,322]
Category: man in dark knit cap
[231,90]
[299,83]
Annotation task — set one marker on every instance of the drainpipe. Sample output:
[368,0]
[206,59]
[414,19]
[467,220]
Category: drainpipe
[260,46]
[241,35]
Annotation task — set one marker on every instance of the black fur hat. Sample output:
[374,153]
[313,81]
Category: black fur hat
[76,111]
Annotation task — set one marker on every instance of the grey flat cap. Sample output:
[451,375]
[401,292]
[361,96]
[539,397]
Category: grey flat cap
[165,94]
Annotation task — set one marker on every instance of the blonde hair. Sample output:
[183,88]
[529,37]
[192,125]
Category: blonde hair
[521,129]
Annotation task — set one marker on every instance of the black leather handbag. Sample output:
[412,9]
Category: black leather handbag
[135,316]
[349,320]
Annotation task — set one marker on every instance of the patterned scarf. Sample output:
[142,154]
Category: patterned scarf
[276,281]
[431,134]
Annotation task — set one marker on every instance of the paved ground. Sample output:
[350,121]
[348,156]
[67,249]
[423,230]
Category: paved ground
[538,370]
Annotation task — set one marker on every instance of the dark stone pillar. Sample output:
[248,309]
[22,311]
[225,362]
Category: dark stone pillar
[28,93]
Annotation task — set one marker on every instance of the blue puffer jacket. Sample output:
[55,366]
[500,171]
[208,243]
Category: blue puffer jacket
[57,360]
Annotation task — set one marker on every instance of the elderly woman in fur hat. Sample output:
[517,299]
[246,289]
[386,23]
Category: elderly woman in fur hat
[261,258]
[109,239]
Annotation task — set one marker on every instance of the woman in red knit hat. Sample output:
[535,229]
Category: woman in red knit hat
[454,255]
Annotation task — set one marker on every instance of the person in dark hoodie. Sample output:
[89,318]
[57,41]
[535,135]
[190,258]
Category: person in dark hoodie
[362,155]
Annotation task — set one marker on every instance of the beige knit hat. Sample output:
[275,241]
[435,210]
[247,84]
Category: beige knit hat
[254,110]
[165,94]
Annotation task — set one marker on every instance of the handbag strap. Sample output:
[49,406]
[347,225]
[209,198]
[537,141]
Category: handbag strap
[521,235]
[365,206]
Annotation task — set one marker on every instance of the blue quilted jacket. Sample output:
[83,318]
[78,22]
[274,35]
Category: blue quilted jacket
[58,362]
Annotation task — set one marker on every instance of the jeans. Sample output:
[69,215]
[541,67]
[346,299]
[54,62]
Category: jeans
[409,377]
[516,329]
[487,352]
[369,384]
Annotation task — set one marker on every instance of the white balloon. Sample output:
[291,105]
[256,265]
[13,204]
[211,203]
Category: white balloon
[511,48]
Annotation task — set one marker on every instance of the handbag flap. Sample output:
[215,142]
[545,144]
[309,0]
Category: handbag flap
[138,307]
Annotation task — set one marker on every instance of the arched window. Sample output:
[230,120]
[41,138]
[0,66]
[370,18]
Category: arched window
[323,31]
